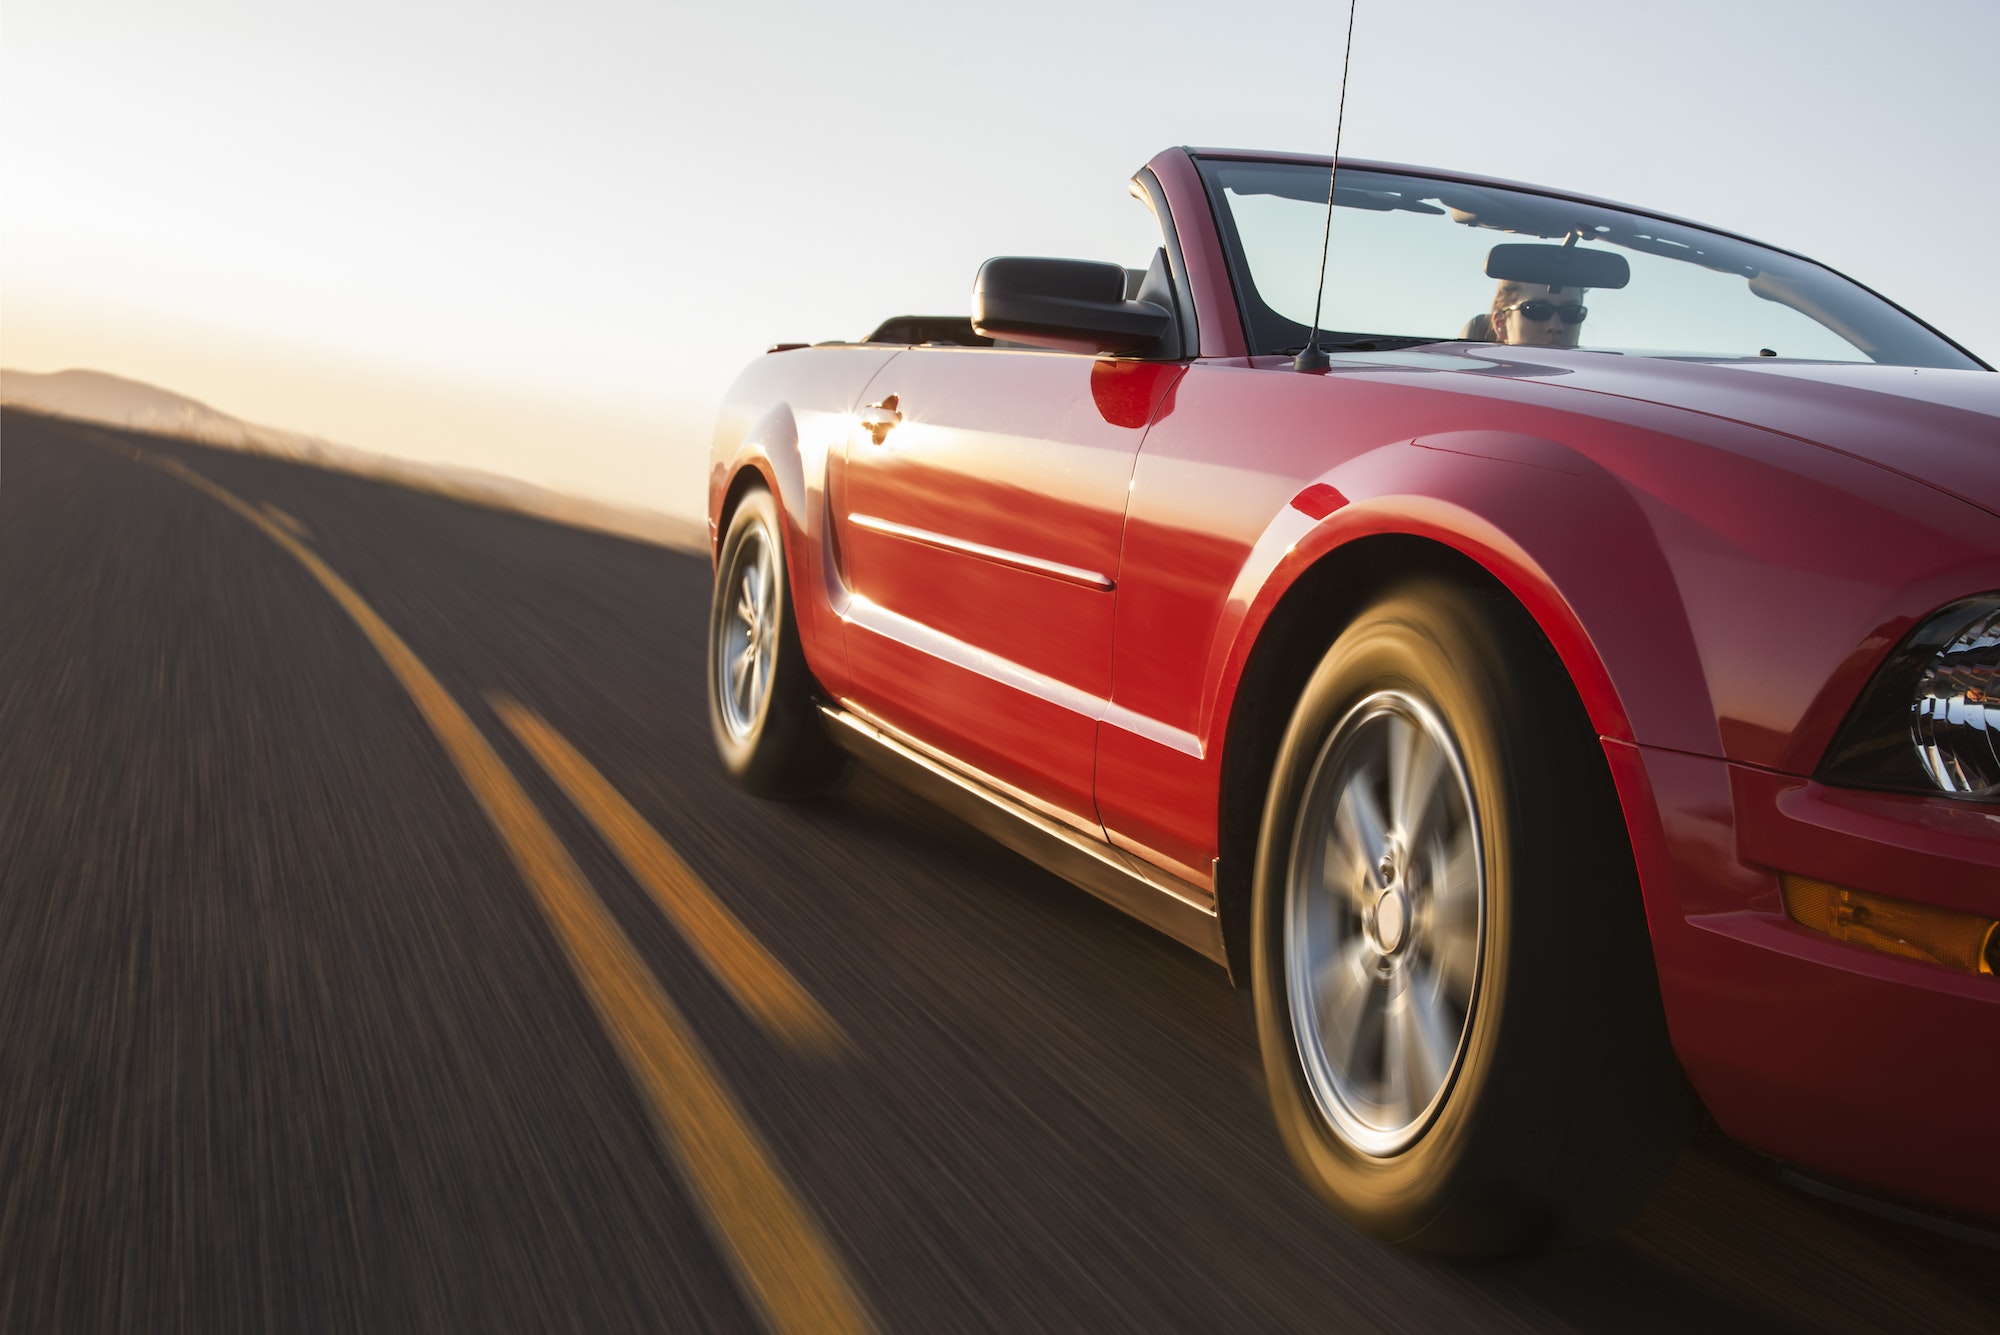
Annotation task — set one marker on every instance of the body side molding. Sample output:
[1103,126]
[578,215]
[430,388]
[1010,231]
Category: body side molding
[1035,565]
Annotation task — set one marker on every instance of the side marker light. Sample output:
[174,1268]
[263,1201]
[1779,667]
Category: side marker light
[1969,942]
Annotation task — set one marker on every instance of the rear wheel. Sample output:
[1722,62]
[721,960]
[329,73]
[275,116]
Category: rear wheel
[1455,994]
[762,701]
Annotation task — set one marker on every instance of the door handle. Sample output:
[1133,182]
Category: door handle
[877,418]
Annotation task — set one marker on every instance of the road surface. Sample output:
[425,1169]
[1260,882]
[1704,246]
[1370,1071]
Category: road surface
[381,950]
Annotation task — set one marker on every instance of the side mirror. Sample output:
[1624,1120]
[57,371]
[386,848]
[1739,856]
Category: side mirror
[1068,305]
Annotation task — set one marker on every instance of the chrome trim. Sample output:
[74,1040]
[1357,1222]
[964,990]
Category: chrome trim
[1154,731]
[871,616]
[1034,565]
[1162,901]
[866,614]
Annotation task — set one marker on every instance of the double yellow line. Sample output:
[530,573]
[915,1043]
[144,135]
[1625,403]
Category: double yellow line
[785,1264]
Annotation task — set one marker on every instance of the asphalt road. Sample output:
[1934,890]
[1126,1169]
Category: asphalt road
[295,1036]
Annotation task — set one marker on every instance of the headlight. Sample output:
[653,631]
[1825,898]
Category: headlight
[1930,720]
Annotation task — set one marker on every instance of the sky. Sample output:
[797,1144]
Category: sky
[542,238]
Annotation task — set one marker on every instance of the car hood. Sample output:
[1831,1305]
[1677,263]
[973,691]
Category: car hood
[1940,427]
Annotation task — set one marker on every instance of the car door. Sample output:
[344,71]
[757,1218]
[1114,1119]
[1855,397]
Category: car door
[979,524]
[1204,494]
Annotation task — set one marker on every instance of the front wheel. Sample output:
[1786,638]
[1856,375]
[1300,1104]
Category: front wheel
[1455,994]
[762,702]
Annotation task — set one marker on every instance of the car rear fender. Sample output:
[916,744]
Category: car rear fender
[769,456]
[784,424]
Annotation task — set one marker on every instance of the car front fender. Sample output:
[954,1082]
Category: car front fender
[1564,536]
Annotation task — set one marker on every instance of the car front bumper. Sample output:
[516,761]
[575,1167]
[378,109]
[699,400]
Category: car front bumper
[1879,1071]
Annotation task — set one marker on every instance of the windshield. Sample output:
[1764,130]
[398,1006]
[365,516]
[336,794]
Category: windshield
[1414,260]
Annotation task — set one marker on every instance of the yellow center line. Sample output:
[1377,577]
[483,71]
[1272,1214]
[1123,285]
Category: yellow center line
[291,525]
[759,982]
[786,1265]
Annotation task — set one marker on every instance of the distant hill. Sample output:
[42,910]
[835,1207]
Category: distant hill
[94,396]
[110,400]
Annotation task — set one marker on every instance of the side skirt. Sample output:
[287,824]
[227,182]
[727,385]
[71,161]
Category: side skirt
[1184,912]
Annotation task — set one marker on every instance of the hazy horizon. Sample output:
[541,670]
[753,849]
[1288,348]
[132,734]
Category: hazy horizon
[541,241]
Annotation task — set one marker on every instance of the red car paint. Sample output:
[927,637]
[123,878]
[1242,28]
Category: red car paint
[1721,555]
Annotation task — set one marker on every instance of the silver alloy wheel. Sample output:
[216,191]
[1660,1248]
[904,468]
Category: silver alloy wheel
[1384,917]
[747,648]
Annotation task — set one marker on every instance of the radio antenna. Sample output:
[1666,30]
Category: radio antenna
[1311,357]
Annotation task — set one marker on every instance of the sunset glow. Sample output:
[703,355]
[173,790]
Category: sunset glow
[541,241]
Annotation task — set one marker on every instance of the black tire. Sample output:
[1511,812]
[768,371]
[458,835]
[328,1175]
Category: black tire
[1561,1105]
[769,736]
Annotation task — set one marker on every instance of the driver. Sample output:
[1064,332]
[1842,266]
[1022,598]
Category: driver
[1536,315]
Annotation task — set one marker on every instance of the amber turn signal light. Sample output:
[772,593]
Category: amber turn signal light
[1965,941]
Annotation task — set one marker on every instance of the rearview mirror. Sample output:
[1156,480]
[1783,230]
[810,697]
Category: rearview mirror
[1558,266]
[1068,305]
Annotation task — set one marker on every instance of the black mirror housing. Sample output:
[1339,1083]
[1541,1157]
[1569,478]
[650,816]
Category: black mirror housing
[1558,266]
[1067,305]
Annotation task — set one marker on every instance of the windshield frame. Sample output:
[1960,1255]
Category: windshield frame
[1257,318]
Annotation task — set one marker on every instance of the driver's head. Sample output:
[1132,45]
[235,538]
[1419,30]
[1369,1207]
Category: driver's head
[1537,315]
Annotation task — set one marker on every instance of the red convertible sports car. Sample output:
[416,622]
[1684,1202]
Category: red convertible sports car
[1548,651]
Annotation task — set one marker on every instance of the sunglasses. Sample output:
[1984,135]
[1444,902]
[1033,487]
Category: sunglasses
[1539,310]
